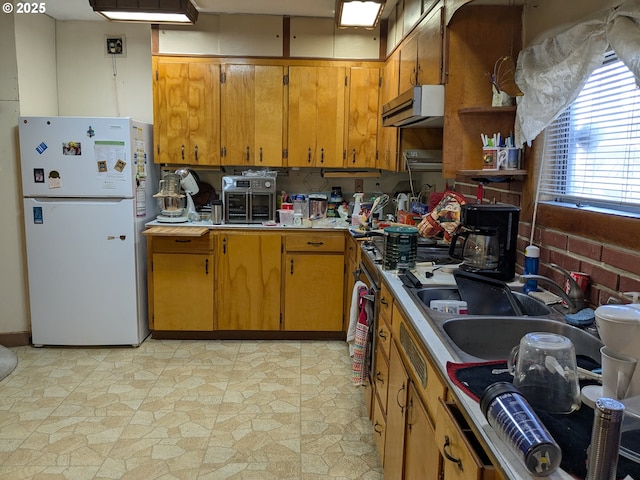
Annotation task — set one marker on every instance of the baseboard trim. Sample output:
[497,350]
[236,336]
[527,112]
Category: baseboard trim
[19,339]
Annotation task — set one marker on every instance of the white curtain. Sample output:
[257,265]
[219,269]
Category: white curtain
[552,72]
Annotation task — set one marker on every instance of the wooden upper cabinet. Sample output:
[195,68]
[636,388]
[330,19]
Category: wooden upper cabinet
[362,122]
[387,158]
[408,63]
[252,115]
[186,112]
[316,116]
[421,53]
[430,48]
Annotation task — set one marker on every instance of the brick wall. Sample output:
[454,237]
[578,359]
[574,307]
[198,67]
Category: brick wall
[613,265]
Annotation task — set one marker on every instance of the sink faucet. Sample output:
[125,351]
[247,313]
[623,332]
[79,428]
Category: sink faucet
[575,297]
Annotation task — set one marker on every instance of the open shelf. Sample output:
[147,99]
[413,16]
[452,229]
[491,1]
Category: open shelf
[489,110]
[493,176]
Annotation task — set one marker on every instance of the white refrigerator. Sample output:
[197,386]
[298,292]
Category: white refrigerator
[87,185]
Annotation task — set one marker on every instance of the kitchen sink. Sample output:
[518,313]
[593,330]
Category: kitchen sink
[528,305]
[474,338]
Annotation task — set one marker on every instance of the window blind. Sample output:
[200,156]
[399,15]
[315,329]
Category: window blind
[592,150]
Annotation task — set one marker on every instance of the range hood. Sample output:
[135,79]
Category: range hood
[423,160]
[420,107]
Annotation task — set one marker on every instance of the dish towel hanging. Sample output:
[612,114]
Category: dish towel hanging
[362,343]
[354,313]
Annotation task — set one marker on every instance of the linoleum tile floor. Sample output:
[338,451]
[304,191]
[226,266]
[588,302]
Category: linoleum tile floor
[178,409]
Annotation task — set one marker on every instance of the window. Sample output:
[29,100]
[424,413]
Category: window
[592,150]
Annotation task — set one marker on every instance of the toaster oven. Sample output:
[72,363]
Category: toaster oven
[249,199]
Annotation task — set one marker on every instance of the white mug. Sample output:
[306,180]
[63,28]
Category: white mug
[617,370]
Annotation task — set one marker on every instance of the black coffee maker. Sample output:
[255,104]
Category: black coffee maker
[479,221]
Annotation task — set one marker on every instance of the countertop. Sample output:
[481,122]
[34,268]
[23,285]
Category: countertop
[510,464]
[325,224]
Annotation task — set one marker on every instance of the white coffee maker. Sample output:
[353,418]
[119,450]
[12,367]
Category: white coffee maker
[619,329]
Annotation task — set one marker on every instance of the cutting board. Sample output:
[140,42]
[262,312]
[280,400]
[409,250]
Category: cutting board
[176,231]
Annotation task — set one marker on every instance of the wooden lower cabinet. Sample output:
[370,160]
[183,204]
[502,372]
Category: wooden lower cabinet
[181,272]
[248,286]
[396,416]
[183,291]
[313,282]
[421,455]
[423,435]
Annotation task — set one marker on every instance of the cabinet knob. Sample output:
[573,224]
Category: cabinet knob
[382,334]
[309,155]
[196,152]
[322,155]
[354,155]
[182,152]
[248,154]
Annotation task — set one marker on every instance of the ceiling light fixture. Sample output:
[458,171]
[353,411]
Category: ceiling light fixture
[146,11]
[355,13]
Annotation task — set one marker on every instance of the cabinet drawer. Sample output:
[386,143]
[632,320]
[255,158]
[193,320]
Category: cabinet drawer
[183,244]
[383,337]
[379,429]
[463,456]
[318,242]
[386,303]
[381,378]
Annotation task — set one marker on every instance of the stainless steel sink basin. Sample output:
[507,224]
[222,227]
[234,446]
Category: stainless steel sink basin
[492,338]
[529,306]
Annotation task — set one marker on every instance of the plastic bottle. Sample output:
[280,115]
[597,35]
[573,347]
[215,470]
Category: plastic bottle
[355,216]
[531,263]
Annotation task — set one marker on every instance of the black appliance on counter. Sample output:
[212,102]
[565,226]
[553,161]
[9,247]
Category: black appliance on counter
[501,218]
[249,199]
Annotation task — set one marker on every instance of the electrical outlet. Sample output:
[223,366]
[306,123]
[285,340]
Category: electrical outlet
[115,45]
[359,185]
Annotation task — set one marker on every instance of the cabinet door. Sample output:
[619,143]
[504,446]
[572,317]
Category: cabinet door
[396,414]
[204,114]
[252,115]
[269,116]
[183,291]
[249,281]
[430,53]
[362,124]
[171,112]
[316,116]
[238,114]
[302,116]
[187,113]
[387,158]
[408,63]
[422,457]
[313,286]
[331,117]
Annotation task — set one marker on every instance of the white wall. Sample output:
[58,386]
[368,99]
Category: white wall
[86,82]
[13,286]
[262,36]
[36,55]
